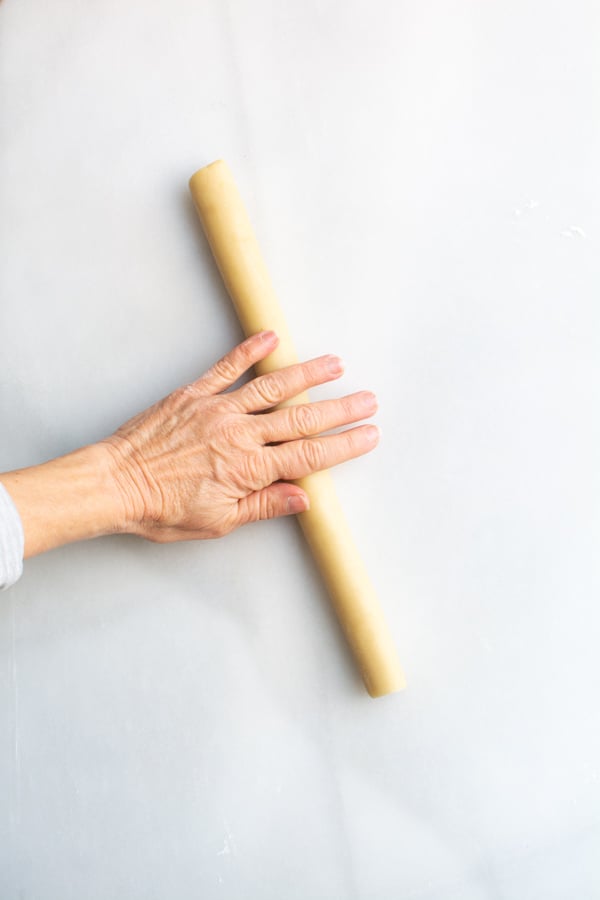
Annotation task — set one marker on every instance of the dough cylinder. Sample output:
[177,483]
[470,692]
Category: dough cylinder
[237,254]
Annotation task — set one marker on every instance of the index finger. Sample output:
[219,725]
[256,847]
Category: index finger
[236,363]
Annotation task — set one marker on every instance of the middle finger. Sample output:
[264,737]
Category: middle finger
[305,420]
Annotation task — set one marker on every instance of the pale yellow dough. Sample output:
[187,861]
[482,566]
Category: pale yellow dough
[234,246]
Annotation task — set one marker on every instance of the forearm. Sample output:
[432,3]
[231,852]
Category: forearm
[72,498]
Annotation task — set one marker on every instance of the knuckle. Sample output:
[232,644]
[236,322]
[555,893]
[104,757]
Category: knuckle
[305,420]
[314,454]
[226,368]
[252,470]
[233,431]
[348,406]
[311,370]
[267,509]
[246,350]
[349,444]
[181,394]
[269,389]
[178,401]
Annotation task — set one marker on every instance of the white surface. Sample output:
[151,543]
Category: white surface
[184,721]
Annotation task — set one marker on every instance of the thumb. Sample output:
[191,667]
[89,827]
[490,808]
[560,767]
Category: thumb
[279,499]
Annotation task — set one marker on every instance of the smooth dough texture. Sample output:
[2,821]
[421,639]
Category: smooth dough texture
[236,251]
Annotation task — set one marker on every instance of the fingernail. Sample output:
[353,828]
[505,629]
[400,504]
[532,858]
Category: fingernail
[373,433]
[297,504]
[368,400]
[267,336]
[335,365]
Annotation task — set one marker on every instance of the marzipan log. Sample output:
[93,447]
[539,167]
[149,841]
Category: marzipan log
[236,251]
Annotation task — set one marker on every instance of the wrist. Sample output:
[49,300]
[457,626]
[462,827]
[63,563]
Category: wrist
[120,477]
[71,498]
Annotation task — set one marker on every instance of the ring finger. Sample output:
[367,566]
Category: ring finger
[305,420]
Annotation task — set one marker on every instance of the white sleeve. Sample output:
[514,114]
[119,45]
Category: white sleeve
[12,541]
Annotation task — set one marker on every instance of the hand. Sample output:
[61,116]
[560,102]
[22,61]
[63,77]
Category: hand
[201,462]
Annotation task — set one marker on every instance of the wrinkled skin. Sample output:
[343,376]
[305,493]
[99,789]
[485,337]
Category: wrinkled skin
[201,462]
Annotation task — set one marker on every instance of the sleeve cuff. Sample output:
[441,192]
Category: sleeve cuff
[12,541]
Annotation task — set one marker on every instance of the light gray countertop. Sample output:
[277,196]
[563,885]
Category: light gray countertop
[185,721]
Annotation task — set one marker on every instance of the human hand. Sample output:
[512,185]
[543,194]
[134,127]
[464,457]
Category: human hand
[201,462]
